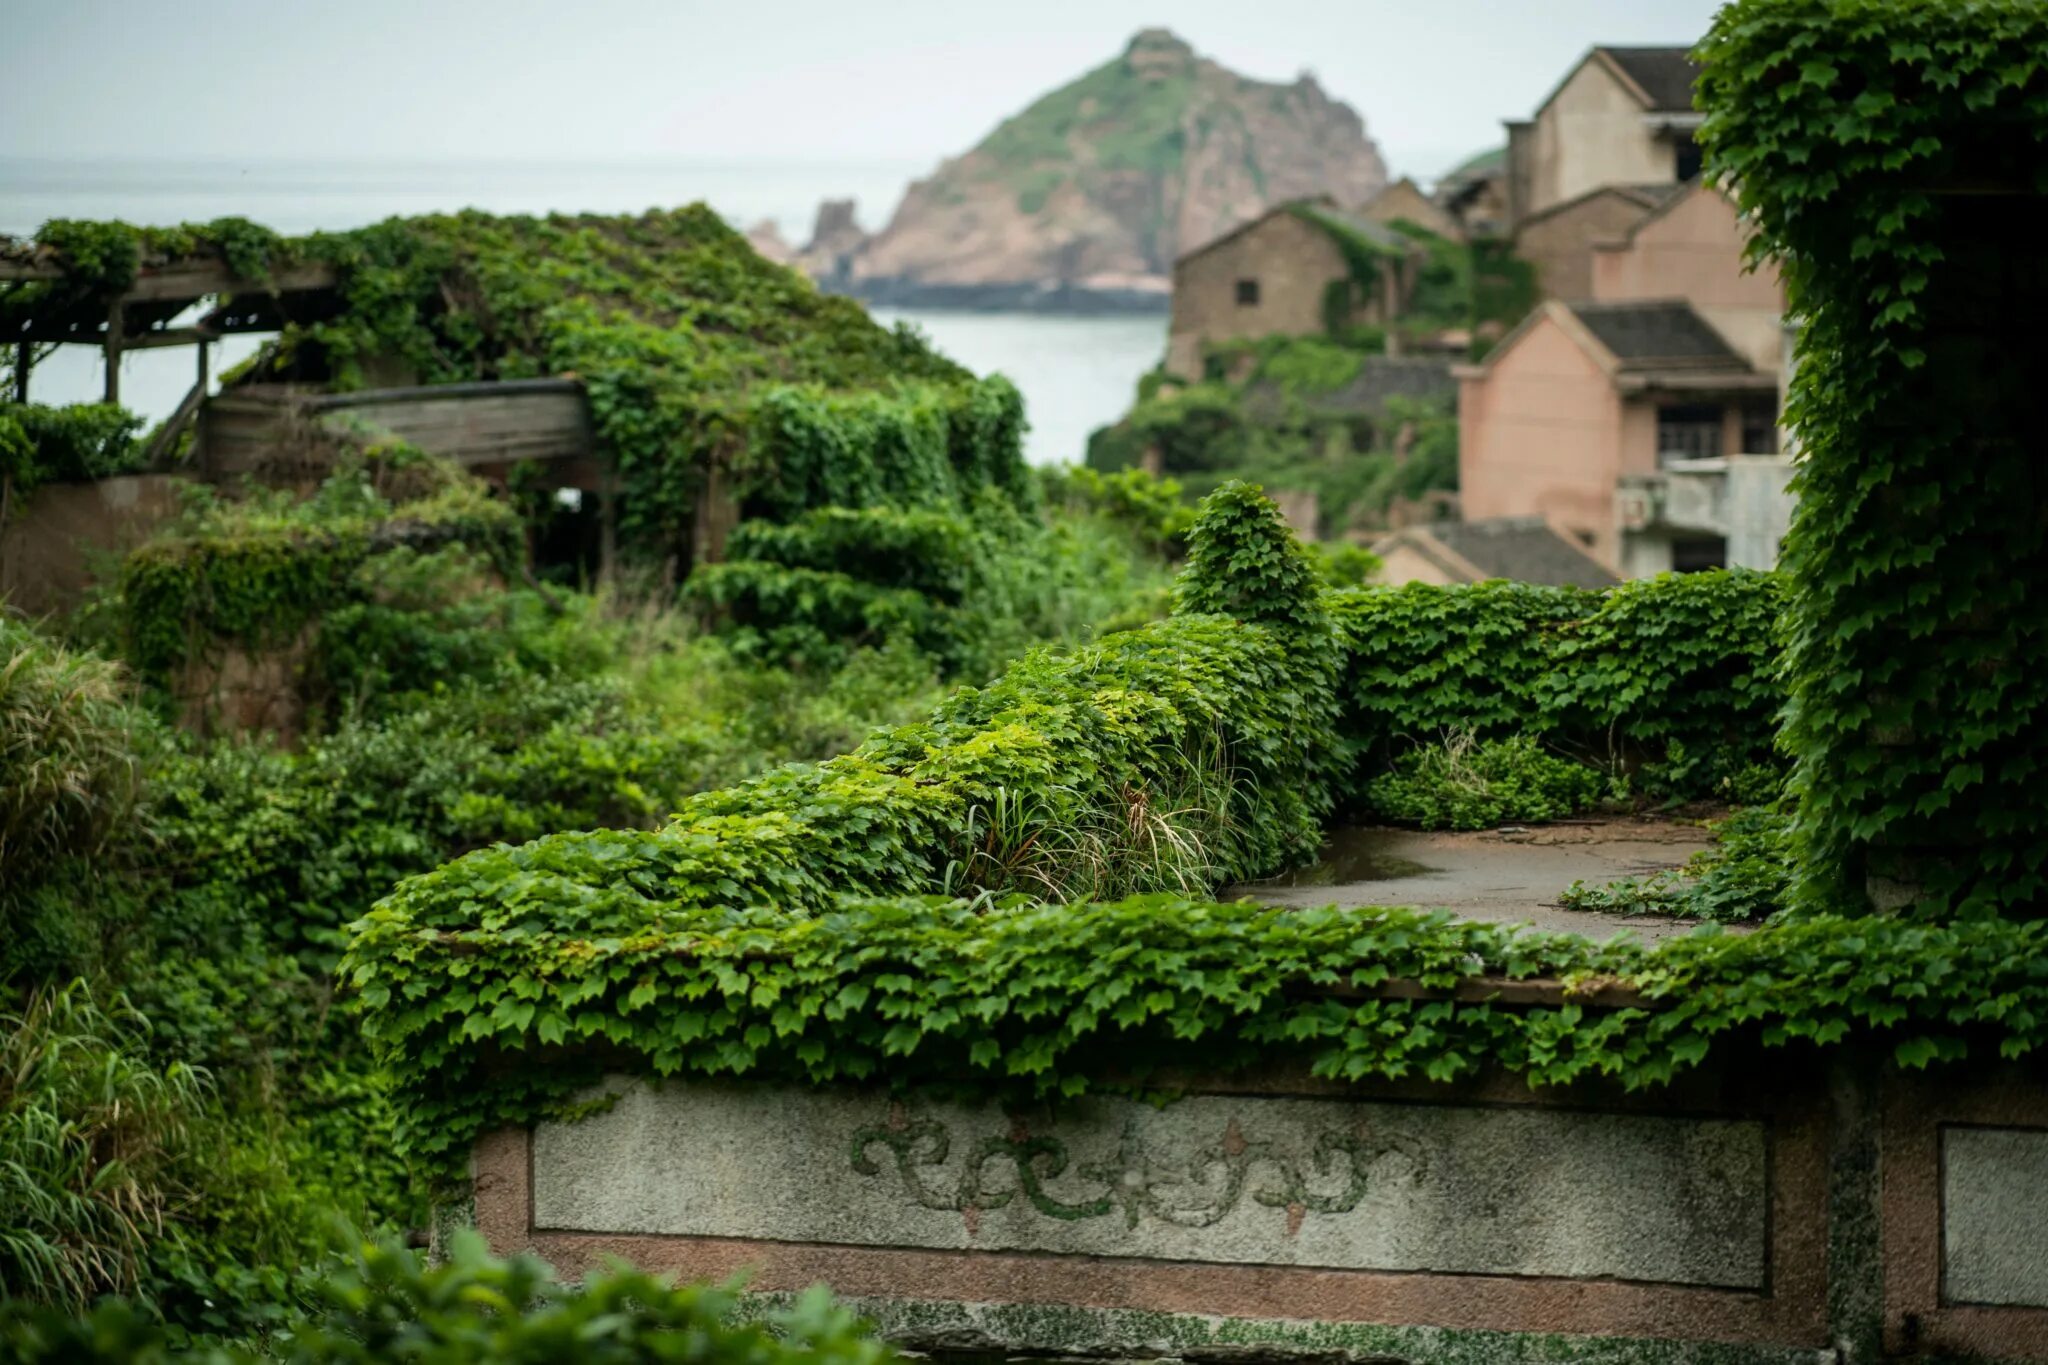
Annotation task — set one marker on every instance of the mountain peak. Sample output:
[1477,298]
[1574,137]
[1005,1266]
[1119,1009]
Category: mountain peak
[1119,171]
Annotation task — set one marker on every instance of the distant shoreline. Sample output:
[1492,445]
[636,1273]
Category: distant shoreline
[1021,297]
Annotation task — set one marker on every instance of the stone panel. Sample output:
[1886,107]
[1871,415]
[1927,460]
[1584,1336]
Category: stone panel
[1463,1189]
[1994,1216]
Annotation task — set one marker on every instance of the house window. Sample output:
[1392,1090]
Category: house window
[1247,293]
[1691,556]
[1686,161]
[1688,431]
[1759,429]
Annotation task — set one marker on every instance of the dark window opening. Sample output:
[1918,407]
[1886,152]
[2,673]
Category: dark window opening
[1686,163]
[1688,431]
[565,532]
[1247,293]
[1691,556]
[1759,429]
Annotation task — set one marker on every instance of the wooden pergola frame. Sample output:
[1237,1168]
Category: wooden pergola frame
[139,317]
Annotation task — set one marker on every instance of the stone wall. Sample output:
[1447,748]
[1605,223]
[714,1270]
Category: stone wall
[50,539]
[1292,263]
[1775,1208]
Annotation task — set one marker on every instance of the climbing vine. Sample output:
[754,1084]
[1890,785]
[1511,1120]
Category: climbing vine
[1884,150]
[693,350]
[508,1017]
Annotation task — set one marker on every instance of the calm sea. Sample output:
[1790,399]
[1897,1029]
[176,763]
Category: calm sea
[1076,373]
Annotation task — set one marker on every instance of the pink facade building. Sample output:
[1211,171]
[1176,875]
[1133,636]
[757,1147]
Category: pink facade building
[1643,420]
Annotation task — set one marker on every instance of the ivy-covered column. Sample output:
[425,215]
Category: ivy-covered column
[1894,157]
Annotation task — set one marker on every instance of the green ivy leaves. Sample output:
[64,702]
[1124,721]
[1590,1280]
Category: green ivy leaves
[1860,137]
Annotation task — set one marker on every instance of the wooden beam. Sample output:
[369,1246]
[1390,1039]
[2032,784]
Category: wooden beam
[116,323]
[24,361]
[24,271]
[196,279]
[169,336]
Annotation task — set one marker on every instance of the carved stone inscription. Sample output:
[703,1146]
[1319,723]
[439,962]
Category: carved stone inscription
[1994,1223]
[1299,1182]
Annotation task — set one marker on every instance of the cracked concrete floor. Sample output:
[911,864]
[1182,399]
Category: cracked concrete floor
[1511,875]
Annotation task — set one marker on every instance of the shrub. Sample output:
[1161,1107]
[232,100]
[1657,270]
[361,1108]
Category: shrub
[382,1304]
[1465,783]
[68,771]
[1149,507]
[1244,562]
[1673,679]
[1743,876]
[73,444]
[259,571]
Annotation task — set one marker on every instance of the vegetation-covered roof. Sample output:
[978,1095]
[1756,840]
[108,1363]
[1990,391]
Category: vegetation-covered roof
[671,321]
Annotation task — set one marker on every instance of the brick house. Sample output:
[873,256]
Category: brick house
[1284,273]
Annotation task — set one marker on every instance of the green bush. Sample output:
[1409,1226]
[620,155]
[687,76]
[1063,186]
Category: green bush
[1464,783]
[1244,562]
[1198,750]
[1673,680]
[1146,505]
[971,586]
[73,444]
[259,571]
[1046,1000]
[381,1304]
[1743,877]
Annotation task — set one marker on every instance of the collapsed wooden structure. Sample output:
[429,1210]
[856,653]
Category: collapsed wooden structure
[290,431]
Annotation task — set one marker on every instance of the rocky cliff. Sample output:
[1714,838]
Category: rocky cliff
[1096,188]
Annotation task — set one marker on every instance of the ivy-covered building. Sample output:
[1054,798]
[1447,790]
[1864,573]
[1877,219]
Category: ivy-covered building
[1301,269]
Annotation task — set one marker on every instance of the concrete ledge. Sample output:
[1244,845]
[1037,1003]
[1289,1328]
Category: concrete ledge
[697,1219]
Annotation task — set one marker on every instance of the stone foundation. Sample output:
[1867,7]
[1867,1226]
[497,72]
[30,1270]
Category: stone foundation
[1721,1219]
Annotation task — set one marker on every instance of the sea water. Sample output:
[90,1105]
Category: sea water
[1076,373]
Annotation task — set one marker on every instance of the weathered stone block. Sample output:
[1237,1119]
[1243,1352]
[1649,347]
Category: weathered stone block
[1456,1188]
[1994,1223]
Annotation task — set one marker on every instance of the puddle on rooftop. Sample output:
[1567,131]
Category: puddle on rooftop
[1357,855]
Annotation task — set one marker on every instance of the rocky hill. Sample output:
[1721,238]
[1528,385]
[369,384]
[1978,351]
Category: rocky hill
[1092,192]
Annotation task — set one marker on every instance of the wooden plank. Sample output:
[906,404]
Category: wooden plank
[167,435]
[168,336]
[24,361]
[30,270]
[115,323]
[195,279]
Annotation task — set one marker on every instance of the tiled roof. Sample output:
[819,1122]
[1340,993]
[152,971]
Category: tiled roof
[1666,74]
[1661,334]
[1528,549]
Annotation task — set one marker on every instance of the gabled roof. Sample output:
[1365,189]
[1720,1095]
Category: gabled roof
[1664,75]
[1645,197]
[1660,78]
[1657,334]
[1527,549]
[1321,206]
[1639,344]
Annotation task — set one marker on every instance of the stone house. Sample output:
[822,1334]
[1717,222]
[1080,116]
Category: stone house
[1559,242]
[1622,116]
[1474,195]
[1287,272]
[1404,202]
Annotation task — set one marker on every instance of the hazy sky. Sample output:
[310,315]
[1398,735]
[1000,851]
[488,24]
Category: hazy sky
[746,80]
